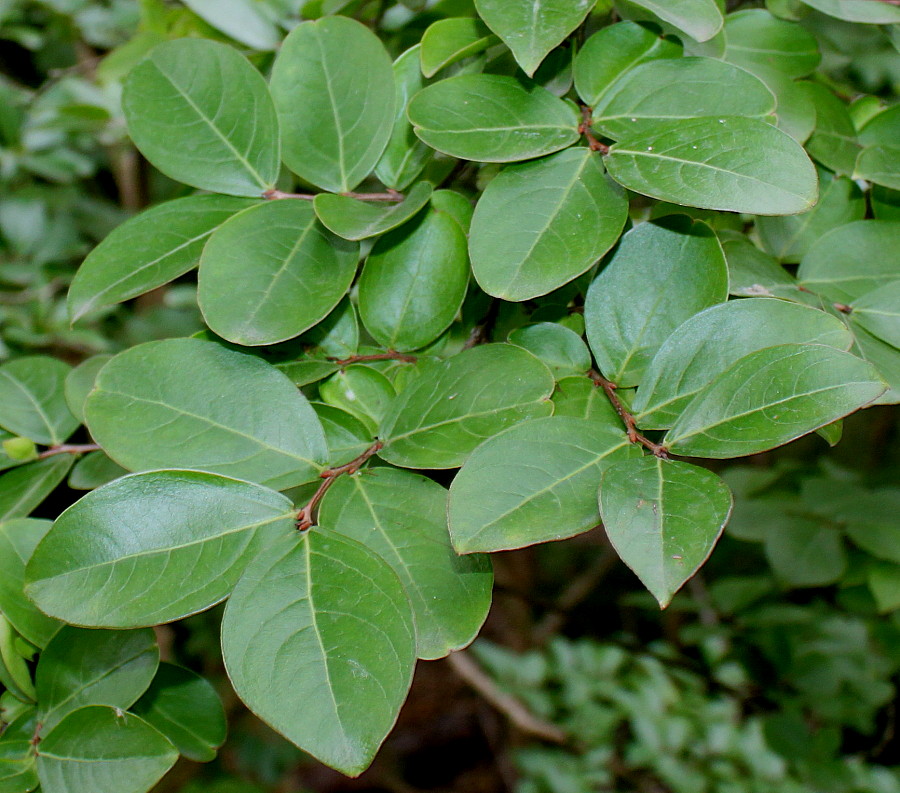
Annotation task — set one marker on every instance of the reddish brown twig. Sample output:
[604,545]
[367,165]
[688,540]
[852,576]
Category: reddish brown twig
[65,448]
[390,355]
[306,518]
[390,195]
[631,430]
[584,128]
[843,308]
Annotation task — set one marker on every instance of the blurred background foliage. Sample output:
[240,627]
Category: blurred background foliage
[775,671]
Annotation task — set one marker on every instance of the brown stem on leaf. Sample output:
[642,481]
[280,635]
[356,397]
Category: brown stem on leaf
[843,308]
[631,430]
[306,518]
[584,128]
[390,355]
[66,448]
[390,195]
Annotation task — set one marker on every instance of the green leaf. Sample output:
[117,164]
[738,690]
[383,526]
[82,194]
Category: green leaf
[851,260]
[805,553]
[17,762]
[581,398]
[771,397]
[878,312]
[32,399]
[878,13]
[540,224]
[450,40]
[796,113]
[362,391]
[186,709]
[336,336]
[333,87]
[535,482]
[93,470]
[15,676]
[414,282]
[336,620]
[101,750]
[240,19]
[663,518]
[611,52]
[885,358]
[454,204]
[346,435]
[80,382]
[753,273]
[884,583]
[712,341]
[202,114]
[755,39]
[732,164]
[356,220]
[186,403]
[700,19]
[561,348]
[402,517]
[292,273]
[453,405]
[531,28]
[879,164]
[148,250]
[18,539]
[661,274]
[405,156]
[153,548]
[84,667]
[834,142]
[492,118]
[665,91]
[25,488]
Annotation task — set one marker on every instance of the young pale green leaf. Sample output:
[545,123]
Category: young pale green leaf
[661,273]
[414,282]
[402,517]
[878,312]
[148,250]
[362,391]
[730,163]
[540,224]
[492,118]
[611,52]
[561,348]
[353,219]
[80,382]
[152,548]
[663,518]
[333,87]
[865,11]
[851,260]
[450,40]
[580,397]
[772,396]
[834,142]
[33,401]
[346,435]
[405,156]
[531,28]
[187,403]
[755,39]
[292,272]
[186,709]
[105,751]
[18,539]
[535,482]
[700,19]
[665,91]
[202,114]
[24,488]
[712,341]
[453,405]
[335,620]
[84,667]
[239,19]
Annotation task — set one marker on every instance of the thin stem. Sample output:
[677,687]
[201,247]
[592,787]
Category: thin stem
[390,195]
[843,308]
[66,448]
[584,128]
[390,355]
[306,518]
[631,430]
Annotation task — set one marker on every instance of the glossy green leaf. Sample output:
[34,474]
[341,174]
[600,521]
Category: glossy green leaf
[679,89]
[877,13]
[101,750]
[540,224]
[879,164]
[24,488]
[93,470]
[754,39]
[753,273]
[17,762]
[85,667]
[772,396]
[535,482]
[80,381]
[611,52]
[453,405]
[712,341]
[346,435]
[531,28]
[202,114]
[186,403]
[851,260]
[663,518]
[884,358]
[292,273]
[883,128]
[729,163]
[186,709]
[454,204]
[563,350]
[878,312]
[581,398]
[700,19]
[492,118]
[661,274]
[353,219]
[242,20]
[334,618]
[153,547]
[834,142]
[18,539]
[362,391]
[148,250]
[333,87]
[405,156]
[402,517]
[414,282]
[796,111]
[15,676]
[450,40]
[336,336]
[32,399]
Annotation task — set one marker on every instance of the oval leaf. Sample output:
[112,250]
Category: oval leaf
[450,40]
[353,219]
[700,19]
[878,312]
[33,400]
[24,488]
